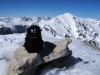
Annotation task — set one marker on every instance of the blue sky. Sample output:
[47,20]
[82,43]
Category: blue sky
[51,8]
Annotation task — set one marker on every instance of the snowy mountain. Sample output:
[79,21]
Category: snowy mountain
[66,25]
[85,59]
[9,25]
[12,21]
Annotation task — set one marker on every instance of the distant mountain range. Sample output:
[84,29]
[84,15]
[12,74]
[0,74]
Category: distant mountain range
[9,25]
[66,25]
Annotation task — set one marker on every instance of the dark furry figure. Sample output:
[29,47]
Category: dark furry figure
[33,40]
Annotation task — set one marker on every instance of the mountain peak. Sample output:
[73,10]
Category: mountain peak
[67,13]
[85,29]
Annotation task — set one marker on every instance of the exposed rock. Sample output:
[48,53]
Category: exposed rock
[15,29]
[19,28]
[50,52]
[50,29]
[5,30]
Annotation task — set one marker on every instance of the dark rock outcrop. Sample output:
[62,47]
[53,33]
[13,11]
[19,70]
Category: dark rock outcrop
[19,28]
[5,30]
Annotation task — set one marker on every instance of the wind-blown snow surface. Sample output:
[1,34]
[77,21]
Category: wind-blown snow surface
[8,43]
[84,61]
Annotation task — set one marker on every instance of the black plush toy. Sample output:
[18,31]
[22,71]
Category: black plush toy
[33,40]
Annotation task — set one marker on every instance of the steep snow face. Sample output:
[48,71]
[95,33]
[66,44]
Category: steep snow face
[85,29]
[63,25]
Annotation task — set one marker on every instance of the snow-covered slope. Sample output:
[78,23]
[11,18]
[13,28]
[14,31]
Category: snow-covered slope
[66,25]
[84,61]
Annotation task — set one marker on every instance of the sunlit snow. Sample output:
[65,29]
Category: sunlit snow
[85,60]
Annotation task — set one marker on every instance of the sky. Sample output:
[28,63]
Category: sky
[50,8]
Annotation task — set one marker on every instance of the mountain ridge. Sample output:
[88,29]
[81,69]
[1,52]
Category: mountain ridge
[85,29]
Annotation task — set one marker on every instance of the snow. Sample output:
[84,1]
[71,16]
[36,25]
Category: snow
[79,28]
[88,66]
[11,21]
[6,53]
[8,44]
[3,65]
[85,59]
